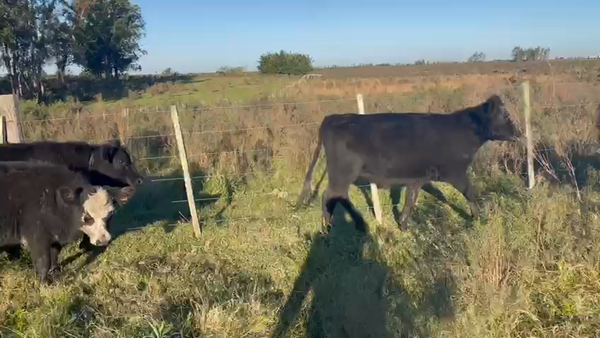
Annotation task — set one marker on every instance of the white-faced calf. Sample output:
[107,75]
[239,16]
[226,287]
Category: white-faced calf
[44,207]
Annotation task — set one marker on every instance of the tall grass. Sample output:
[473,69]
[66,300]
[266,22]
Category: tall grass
[529,267]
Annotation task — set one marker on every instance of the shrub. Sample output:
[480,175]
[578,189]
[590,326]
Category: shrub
[285,63]
[226,70]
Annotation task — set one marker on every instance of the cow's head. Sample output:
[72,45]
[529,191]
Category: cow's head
[92,207]
[113,160]
[497,123]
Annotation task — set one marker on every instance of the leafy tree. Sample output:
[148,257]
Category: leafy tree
[285,63]
[25,29]
[530,54]
[106,36]
[61,48]
[477,57]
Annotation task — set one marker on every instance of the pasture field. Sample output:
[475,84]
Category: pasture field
[530,267]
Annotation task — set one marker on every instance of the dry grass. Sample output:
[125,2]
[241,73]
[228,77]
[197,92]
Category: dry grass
[528,268]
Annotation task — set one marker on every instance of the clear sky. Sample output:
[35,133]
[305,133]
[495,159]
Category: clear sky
[203,35]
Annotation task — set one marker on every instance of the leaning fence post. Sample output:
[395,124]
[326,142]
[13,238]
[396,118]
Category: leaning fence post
[374,191]
[9,108]
[527,112]
[186,171]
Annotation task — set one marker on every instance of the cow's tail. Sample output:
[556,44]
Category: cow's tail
[306,187]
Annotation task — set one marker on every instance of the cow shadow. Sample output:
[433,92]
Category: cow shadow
[354,292]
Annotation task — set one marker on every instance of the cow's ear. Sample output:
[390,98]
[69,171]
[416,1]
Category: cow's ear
[66,195]
[115,143]
[121,195]
[493,105]
[108,152]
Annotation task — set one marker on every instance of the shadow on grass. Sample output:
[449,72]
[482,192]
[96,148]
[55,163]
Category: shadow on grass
[354,293]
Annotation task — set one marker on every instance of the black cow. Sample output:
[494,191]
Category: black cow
[43,207]
[102,164]
[410,149]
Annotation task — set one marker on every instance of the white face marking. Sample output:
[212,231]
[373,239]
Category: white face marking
[97,208]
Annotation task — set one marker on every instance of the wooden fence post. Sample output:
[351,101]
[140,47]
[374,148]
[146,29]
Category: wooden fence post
[3,135]
[126,117]
[374,190]
[9,108]
[527,112]
[186,171]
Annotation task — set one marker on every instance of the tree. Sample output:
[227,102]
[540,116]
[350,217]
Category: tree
[530,54]
[285,63]
[106,36]
[24,39]
[477,57]
[517,54]
[61,40]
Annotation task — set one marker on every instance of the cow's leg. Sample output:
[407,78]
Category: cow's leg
[412,194]
[55,249]
[327,208]
[85,244]
[12,251]
[343,168]
[462,184]
[41,256]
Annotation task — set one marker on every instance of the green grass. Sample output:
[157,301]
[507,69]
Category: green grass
[529,267]
[205,91]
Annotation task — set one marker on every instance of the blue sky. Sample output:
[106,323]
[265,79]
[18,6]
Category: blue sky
[202,35]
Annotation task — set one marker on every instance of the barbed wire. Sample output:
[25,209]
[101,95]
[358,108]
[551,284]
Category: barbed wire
[237,151]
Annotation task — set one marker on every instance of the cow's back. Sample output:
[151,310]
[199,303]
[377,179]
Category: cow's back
[74,154]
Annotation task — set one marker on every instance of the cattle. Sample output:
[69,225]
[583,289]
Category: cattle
[105,164]
[409,149]
[102,164]
[44,207]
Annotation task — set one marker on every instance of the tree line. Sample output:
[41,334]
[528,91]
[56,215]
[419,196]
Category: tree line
[100,36]
[518,54]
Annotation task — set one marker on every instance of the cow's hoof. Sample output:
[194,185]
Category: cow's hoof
[55,270]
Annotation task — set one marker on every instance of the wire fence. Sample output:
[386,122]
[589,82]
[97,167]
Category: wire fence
[309,122]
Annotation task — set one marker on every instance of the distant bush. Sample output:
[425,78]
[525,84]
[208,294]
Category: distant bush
[477,57]
[226,70]
[285,63]
[169,72]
